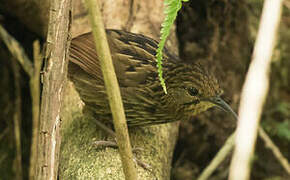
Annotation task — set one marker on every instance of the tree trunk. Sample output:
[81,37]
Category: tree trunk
[54,80]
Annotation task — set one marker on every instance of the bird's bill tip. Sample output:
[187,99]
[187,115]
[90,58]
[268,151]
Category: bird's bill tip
[218,101]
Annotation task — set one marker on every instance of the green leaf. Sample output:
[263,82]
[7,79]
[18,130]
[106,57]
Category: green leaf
[283,130]
[171,9]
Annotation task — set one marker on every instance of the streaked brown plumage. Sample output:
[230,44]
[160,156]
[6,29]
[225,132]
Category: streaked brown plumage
[191,89]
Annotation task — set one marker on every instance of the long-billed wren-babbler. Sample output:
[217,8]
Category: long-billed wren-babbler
[191,89]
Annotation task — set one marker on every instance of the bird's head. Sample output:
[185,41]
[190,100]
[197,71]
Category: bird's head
[192,90]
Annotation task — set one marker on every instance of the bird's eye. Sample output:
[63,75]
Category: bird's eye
[192,91]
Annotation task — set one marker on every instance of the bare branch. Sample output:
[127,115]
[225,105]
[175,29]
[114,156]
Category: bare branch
[254,91]
[17,119]
[276,151]
[220,156]
[35,97]
[17,51]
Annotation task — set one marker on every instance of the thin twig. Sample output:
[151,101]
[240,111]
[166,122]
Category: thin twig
[106,129]
[277,153]
[17,51]
[111,144]
[112,89]
[17,119]
[35,97]
[254,91]
[229,144]
[132,15]
[219,157]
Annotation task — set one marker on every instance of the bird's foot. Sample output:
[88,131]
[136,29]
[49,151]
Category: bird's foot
[113,144]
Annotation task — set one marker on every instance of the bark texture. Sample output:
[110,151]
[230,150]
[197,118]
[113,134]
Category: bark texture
[54,79]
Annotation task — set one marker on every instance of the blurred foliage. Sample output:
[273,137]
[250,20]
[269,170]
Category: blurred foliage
[278,120]
[284,130]
[7,138]
[207,21]
[276,117]
[276,114]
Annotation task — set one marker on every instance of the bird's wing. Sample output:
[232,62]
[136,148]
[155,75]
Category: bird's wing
[133,56]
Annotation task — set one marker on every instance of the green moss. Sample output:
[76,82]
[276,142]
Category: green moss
[79,159]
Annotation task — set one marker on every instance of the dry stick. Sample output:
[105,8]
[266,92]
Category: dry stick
[254,91]
[277,153]
[35,97]
[34,73]
[132,15]
[112,89]
[219,157]
[17,119]
[225,150]
[54,79]
[17,51]
[229,144]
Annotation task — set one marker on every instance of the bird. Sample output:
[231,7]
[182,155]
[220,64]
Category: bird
[191,88]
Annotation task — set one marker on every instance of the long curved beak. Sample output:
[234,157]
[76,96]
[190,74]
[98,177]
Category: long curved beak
[222,104]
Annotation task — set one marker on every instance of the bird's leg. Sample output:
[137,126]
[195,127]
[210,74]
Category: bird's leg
[110,143]
[106,129]
[114,144]
[109,131]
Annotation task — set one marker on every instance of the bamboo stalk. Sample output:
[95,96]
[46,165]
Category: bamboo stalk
[112,89]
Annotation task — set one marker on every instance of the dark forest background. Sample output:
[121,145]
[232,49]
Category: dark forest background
[219,34]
